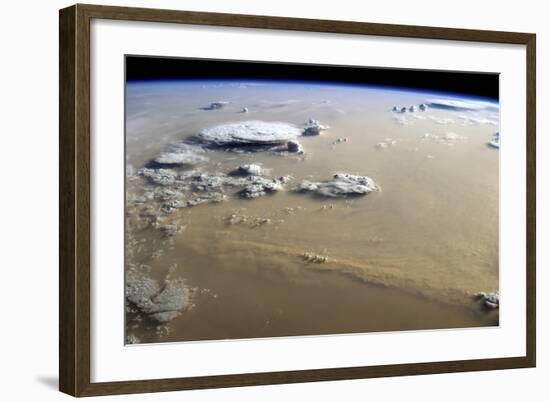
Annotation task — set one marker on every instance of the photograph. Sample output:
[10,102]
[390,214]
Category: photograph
[279,199]
[275,200]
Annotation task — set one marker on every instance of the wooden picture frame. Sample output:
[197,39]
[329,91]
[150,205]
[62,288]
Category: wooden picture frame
[74,202]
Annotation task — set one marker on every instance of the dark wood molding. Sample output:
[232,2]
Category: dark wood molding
[67,238]
[531,201]
[301,24]
[74,198]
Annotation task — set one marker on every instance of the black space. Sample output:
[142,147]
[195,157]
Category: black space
[140,68]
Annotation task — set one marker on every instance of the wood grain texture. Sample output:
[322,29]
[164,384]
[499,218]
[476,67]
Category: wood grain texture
[300,24]
[67,254]
[74,199]
[531,228]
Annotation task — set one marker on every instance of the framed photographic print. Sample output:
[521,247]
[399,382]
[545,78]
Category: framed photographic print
[252,200]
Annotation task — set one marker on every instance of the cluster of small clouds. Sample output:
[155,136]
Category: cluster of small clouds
[410,109]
